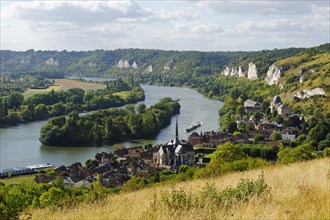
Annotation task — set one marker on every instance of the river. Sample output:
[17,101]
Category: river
[20,144]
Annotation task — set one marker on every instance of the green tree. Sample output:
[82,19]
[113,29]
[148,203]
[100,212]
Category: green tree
[258,138]
[276,136]
[15,100]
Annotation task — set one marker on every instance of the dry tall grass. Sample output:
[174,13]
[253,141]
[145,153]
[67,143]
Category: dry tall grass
[298,191]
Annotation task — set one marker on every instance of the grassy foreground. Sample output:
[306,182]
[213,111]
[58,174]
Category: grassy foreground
[297,191]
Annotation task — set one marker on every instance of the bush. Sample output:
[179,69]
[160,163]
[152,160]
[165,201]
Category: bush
[258,138]
[323,144]
[326,152]
[300,153]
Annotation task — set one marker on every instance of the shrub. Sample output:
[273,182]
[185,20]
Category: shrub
[208,198]
[300,153]
[323,144]
[326,152]
[258,138]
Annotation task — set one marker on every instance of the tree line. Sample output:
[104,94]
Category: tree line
[14,109]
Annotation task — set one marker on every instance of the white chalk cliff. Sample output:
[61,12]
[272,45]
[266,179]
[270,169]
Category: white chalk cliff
[134,65]
[149,69]
[252,71]
[123,64]
[309,93]
[226,71]
[92,64]
[233,71]
[273,74]
[52,62]
[240,72]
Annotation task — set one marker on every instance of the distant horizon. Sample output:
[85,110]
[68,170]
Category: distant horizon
[162,49]
[206,26]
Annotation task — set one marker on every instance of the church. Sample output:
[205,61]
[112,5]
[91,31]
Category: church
[175,152]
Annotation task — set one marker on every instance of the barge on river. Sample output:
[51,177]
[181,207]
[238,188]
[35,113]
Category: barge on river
[31,169]
[194,126]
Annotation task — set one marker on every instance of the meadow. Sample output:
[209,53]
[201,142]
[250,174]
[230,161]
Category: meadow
[63,85]
[296,191]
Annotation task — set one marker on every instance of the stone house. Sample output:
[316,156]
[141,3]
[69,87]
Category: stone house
[252,106]
[277,105]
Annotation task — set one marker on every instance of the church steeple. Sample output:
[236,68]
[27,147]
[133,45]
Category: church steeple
[176,132]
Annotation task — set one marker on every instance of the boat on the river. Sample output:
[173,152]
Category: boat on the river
[194,126]
[31,169]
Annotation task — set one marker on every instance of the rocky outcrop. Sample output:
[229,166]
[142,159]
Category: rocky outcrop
[92,64]
[25,60]
[303,79]
[226,71]
[252,72]
[237,71]
[240,72]
[149,69]
[134,65]
[169,65]
[273,74]
[309,93]
[123,64]
[233,71]
[52,62]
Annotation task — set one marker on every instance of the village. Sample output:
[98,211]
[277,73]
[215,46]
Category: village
[114,169]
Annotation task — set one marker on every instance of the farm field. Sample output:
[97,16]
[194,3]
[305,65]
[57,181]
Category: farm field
[65,84]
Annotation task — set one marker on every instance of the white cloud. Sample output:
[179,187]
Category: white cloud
[72,11]
[197,25]
[260,7]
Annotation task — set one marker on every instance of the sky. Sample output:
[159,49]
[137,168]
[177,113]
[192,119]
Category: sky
[167,25]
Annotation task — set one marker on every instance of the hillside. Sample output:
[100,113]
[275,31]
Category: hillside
[105,62]
[306,72]
[297,191]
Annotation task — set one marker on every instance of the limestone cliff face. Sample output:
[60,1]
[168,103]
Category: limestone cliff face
[240,72]
[149,69]
[123,64]
[92,64]
[226,71]
[309,93]
[233,71]
[273,74]
[237,71]
[52,62]
[252,72]
[134,65]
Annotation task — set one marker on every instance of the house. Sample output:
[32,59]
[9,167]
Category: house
[71,181]
[175,152]
[265,124]
[252,106]
[277,105]
[288,134]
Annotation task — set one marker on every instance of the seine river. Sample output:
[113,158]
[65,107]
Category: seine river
[20,144]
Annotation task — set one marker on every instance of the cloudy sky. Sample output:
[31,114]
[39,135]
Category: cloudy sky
[170,25]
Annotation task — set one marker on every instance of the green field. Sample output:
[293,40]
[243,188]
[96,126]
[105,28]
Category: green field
[18,179]
[63,85]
